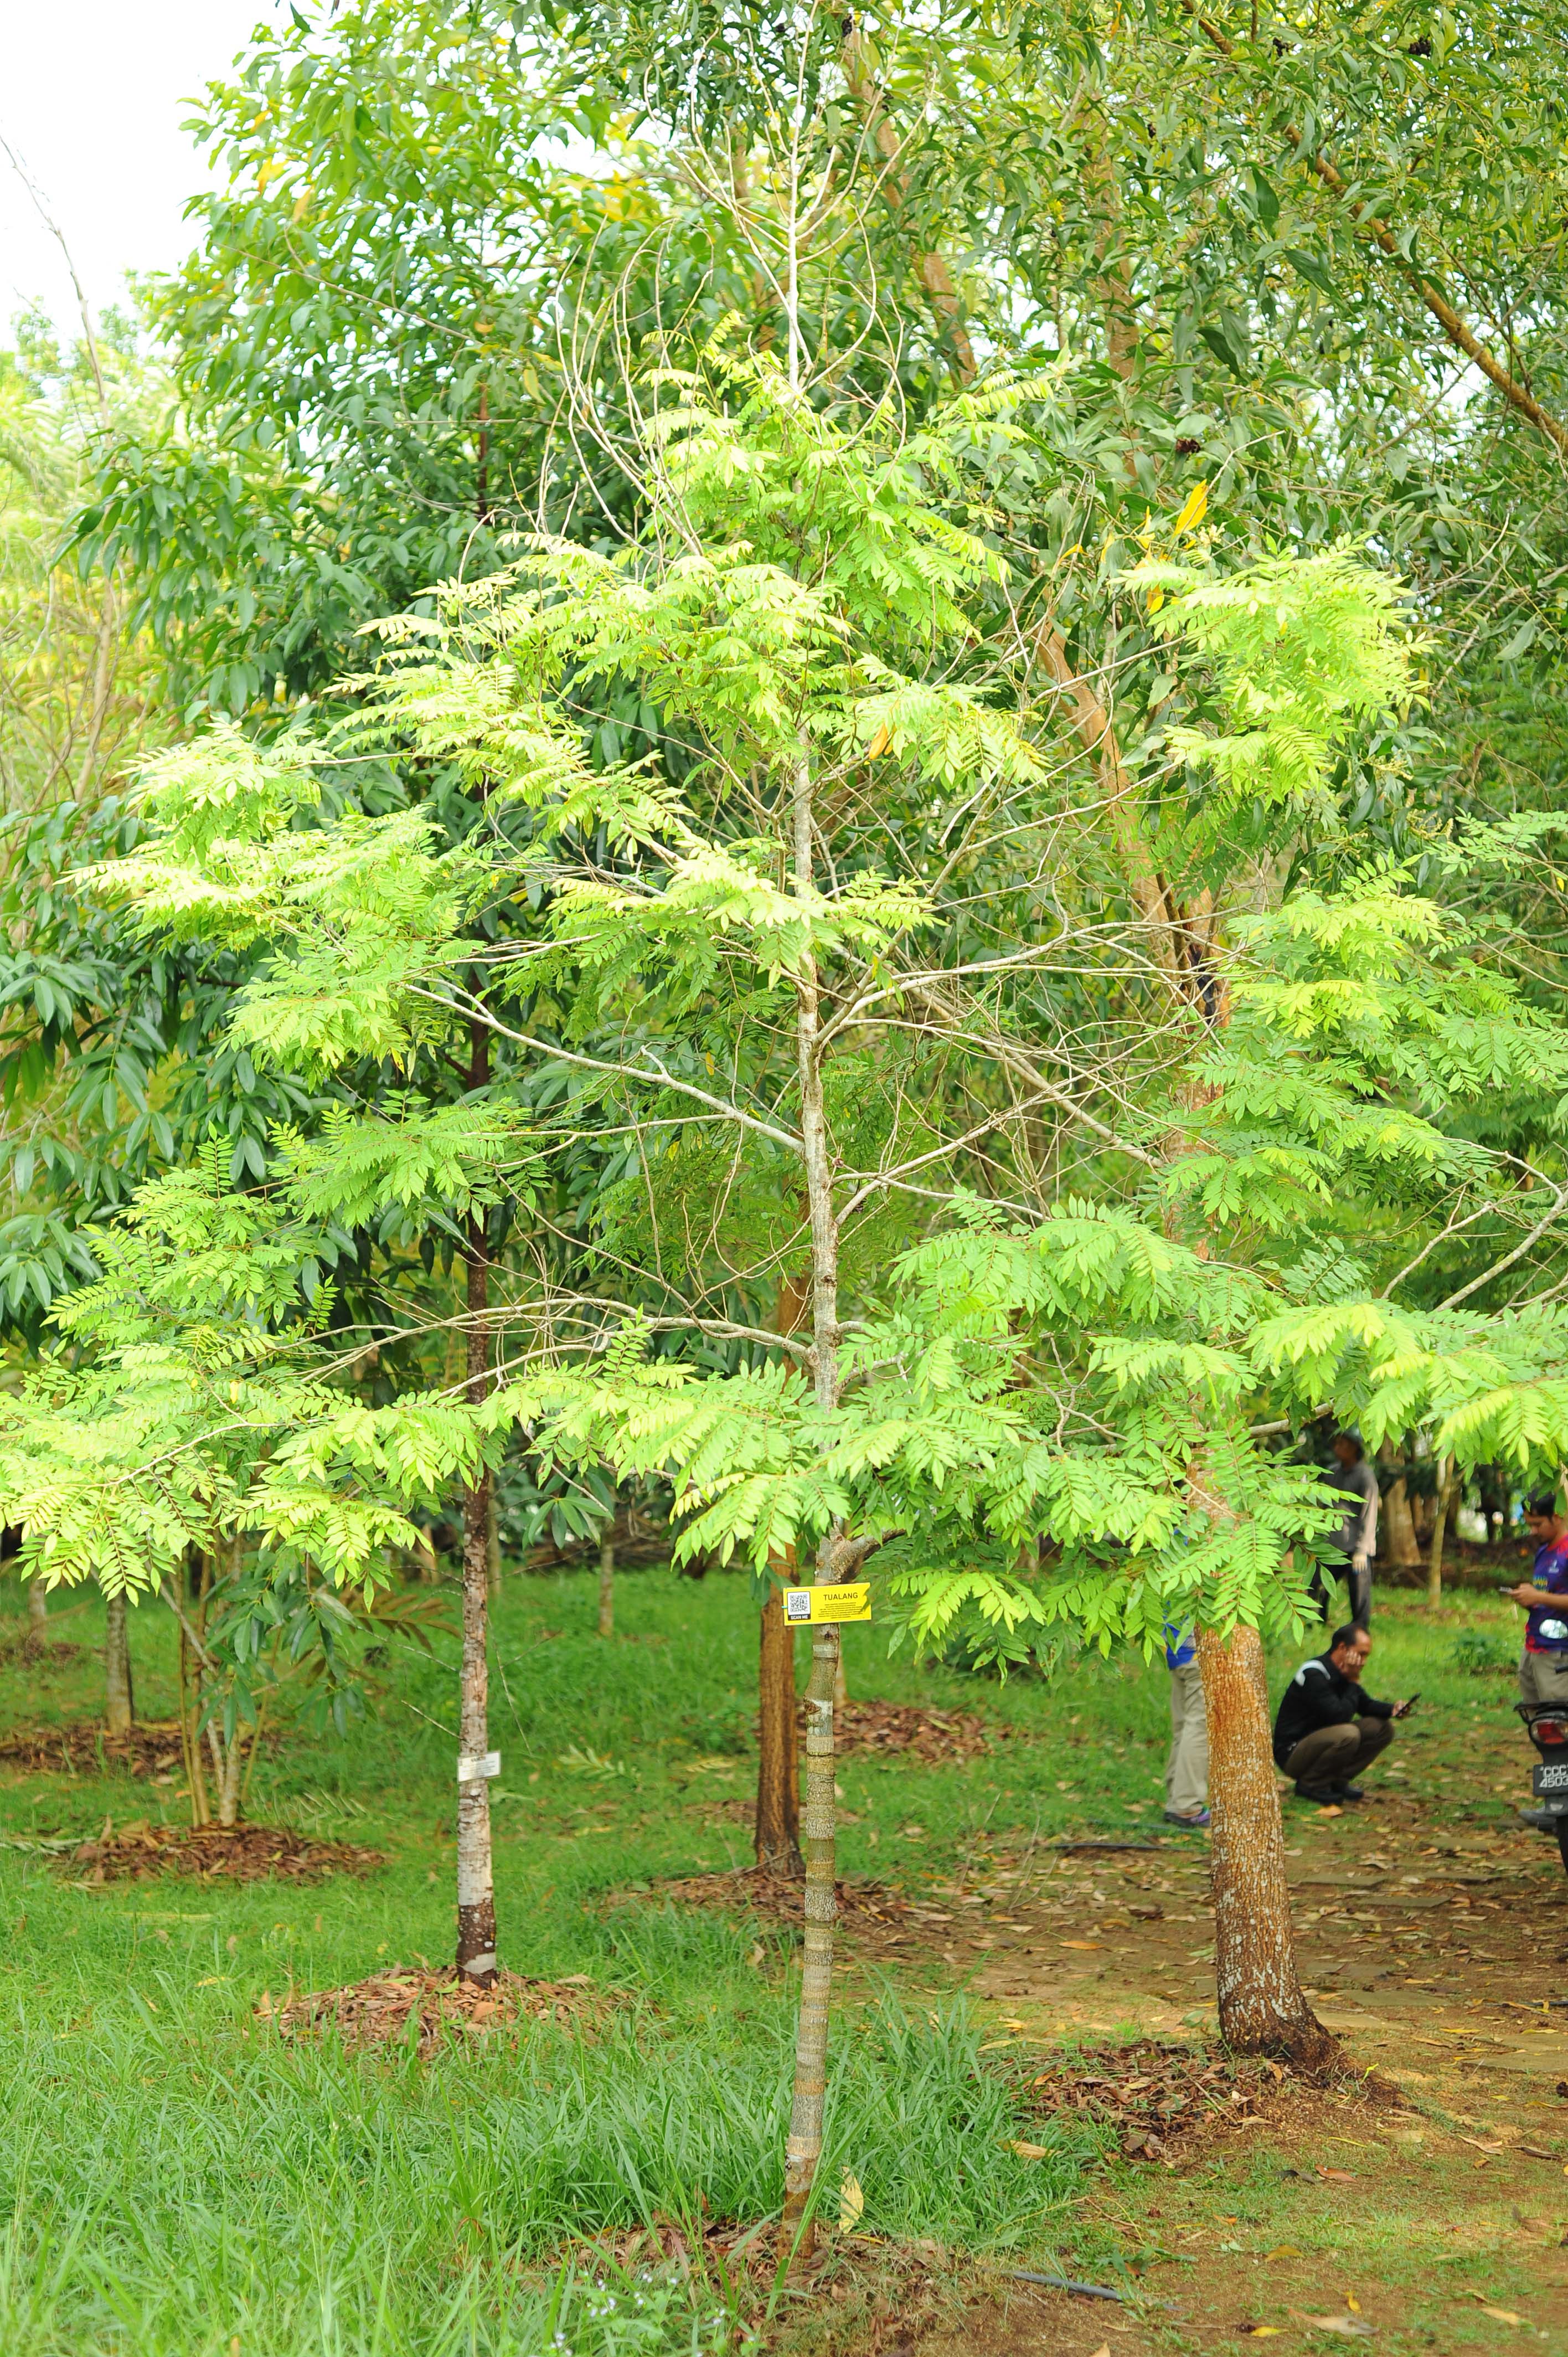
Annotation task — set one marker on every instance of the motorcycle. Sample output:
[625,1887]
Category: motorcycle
[1546,1724]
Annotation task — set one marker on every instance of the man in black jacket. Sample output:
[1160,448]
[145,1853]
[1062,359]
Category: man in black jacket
[1326,1730]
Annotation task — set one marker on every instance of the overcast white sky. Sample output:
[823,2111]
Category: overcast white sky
[93,96]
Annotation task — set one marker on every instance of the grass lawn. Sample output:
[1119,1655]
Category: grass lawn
[181,2179]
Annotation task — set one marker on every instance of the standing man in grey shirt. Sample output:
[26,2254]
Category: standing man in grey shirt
[1353,1545]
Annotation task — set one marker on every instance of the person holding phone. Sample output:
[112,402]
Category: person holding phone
[1543,1664]
[1328,1729]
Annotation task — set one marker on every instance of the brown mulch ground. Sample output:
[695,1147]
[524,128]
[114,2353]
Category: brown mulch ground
[897,1729]
[28,1645]
[146,1751]
[778,1900]
[139,1852]
[377,2012]
[1152,2091]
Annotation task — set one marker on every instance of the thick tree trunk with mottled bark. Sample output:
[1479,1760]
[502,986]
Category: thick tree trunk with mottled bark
[778,1822]
[119,1700]
[475,1879]
[1261,2009]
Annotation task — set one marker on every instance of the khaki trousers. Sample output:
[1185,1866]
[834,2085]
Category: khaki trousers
[1543,1677]
[1186,1762]
[1332,1755]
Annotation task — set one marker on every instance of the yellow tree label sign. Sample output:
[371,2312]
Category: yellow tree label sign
[851,1601]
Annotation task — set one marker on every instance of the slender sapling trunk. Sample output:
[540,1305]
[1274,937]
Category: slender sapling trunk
[804,2150]
[778,1821]
[804,2147]
[38,1607]
[606,1587]
[476,1880]
[119,1700]
[1448,1482]
[775,1823]
[1261,2009]
[493,1546]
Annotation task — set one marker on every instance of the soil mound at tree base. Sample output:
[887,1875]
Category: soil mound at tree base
[378,2011]
[778,1898]
[902,1728]
[37,1645]
[138,1853]
[146,1751]
[1151,2092]
[151,1747]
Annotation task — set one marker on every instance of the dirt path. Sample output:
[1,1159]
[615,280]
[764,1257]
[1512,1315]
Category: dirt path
[1433,1935]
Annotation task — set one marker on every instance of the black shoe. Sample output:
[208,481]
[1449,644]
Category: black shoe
[1544,1820]
[1351,1793]
[1322,1796]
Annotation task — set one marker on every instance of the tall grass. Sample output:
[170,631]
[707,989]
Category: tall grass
[168,2191]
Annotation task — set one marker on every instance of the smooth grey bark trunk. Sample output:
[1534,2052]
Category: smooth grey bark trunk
[493,1545]
[38,1607]
[119,1697]
[476,1876]
[606,1587]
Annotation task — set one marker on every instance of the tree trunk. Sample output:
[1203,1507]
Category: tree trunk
[231,1761]
[778,1822]
[1448,1482]
[804,2149]
[1261,2009]
[38,1607]
[776,1819]
[119,1699]
[1398,1529]
[189,1741]
[475,1879]
[606,1587]
[492,1544]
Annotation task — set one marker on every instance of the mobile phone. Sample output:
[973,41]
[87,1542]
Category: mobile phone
[1409,1704]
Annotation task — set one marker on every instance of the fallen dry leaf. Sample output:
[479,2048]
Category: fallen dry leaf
[1338,2176]
[1080,1943]
[1351,2328]
[1262,2331]
[852,2202]
[1499,2315]
[1281,2251]
[1031,2151]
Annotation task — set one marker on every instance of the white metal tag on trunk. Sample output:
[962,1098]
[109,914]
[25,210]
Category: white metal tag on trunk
[471,1767]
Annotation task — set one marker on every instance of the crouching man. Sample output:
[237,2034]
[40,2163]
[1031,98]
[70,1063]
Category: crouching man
[1326,1730]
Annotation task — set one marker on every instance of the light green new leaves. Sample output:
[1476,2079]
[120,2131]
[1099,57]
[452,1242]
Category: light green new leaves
[1304,648]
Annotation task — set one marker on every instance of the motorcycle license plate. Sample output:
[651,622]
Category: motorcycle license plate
[1550,1781]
